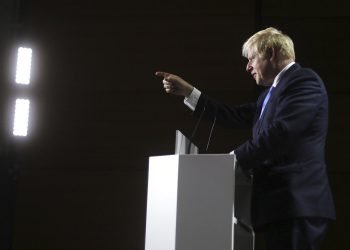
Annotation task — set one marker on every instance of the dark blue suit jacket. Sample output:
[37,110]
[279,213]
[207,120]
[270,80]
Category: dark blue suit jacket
[286,153]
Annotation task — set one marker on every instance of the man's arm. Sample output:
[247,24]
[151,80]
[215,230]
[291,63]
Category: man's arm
[237,117]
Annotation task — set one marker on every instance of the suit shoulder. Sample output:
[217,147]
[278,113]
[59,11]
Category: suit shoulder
[303,75]
[306,73]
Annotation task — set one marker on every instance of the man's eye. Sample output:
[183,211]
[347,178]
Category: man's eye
[251,59]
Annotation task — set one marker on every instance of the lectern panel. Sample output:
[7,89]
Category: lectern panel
[205,202]
[162,203]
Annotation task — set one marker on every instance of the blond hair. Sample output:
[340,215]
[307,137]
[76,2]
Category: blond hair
[269,38]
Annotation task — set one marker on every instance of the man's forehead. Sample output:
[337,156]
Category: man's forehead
[251,53]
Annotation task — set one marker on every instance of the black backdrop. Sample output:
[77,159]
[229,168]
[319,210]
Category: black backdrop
[98,111]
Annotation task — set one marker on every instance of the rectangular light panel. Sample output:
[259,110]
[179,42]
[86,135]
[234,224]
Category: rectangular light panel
[20,126]
[23,68]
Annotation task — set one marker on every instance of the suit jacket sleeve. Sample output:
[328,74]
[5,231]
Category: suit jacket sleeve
[239,116]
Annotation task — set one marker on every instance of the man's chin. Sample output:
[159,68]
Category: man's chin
[259,83]
[263,84]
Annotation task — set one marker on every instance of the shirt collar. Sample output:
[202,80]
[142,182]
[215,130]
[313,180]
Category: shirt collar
[278,77]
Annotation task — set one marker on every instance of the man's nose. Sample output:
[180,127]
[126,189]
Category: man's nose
[248,67]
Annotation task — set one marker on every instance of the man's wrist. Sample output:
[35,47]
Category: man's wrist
[189,92]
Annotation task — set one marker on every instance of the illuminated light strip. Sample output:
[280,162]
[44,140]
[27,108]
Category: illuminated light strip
[20,125]
[24,63]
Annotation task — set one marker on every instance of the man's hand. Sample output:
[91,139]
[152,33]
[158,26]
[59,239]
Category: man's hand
[175,85]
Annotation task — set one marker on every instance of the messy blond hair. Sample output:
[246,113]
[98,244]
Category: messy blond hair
[266,39]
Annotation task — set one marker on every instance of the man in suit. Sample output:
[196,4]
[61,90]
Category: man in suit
[291,199]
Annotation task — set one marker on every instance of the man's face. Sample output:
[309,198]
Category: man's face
[260,67]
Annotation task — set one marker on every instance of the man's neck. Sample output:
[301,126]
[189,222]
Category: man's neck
[281,72]
[284,64]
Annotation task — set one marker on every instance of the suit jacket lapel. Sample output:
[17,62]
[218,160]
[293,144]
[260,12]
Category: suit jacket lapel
[257,124]
[280,86]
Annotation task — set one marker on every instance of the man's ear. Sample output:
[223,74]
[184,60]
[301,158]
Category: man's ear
[270,54]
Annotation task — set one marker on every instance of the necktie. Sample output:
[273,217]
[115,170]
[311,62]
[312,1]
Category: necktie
[267,97]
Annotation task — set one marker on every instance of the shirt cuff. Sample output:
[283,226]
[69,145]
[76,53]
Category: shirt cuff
[192,100]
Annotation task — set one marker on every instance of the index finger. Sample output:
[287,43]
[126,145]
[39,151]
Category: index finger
[162,74]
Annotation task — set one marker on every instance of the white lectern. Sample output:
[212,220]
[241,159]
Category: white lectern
[197,202]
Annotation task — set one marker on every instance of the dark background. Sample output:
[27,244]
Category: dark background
[79,180]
